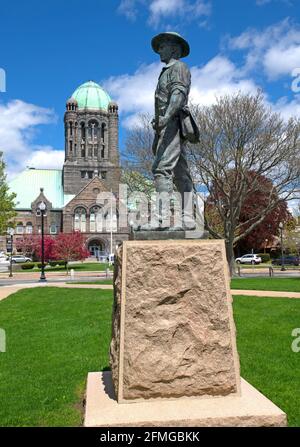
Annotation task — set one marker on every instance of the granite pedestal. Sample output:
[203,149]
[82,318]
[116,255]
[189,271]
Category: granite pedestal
[173,346]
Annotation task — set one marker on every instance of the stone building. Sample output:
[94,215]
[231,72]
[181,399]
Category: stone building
[91,166]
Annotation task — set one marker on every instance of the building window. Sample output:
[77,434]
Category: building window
[82,174]
[96,220]
[20,228]
[29,228]
[71,145]
[53,228]
[71,128]
[103,175]
[82,131]
[80,220]
[90,174]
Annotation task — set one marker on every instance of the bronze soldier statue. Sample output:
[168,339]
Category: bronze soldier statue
[173,125]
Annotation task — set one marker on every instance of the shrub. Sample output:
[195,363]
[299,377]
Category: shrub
[27,266]
[265,257]
[53,263]
[60,262]
[39,265]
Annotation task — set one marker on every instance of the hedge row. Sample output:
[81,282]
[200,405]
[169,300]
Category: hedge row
[31,265]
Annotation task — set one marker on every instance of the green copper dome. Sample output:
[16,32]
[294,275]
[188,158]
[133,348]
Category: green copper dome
[91,96]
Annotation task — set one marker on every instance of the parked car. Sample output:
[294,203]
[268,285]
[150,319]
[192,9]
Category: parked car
[249,259]
[4,264]
[287,260]
[16,259]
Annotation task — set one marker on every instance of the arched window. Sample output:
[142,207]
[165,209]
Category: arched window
[103,137]
[29,228]
[93,129]
[80,219]
[82,126]
[53,228]
[20,228]
[71,128]
[96,220]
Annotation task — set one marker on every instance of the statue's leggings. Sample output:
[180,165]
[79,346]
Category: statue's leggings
[170,158]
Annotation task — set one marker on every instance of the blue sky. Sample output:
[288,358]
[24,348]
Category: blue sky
[49,48]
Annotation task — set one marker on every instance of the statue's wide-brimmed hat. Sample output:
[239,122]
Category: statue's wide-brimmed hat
[175,37]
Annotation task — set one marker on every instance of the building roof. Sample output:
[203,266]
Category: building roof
[28,183]
[91,96]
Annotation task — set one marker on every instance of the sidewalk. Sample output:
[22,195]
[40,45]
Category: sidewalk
[268,293]
[62,274]
[5,291]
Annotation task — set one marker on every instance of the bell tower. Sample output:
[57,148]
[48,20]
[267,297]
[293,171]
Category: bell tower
[91,139]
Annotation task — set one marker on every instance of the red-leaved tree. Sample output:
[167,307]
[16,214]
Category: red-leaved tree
[70,247]
[49,244]
[254,204]
[28,244]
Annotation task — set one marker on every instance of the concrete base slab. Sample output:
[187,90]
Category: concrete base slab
[166,234]
[249,410]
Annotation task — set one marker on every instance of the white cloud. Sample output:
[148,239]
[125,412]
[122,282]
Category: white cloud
[159,10]
[129,8]
[276,49]
[46,158]
[135,93]
[219,76]
[166,9]
[288,108]
[18,128]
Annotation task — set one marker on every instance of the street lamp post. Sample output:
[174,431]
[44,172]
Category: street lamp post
[42,208]
[281,242]
[11,234]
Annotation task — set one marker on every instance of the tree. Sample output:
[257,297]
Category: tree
[240,135]
[138,148]
[70,247]
[291,240]
[254,204]
[49,248]
[28,244]
[7,200]
[137,182]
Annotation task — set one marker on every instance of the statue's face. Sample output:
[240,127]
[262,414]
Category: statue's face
[166,51]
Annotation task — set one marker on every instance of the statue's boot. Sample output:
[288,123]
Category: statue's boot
[161,220]
[188,222]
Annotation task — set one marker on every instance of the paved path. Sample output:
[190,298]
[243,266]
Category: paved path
[8,290]
[268,293]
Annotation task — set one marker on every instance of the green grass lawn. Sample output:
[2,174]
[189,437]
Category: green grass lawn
[103,281]
[83,267]
[276,284]
[56,336]
[264,327]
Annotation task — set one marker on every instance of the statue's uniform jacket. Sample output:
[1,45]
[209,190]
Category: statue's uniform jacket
[168,144]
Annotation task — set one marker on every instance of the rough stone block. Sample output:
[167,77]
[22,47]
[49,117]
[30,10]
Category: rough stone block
[173,329]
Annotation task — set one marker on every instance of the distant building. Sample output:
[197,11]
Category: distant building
[91,166]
